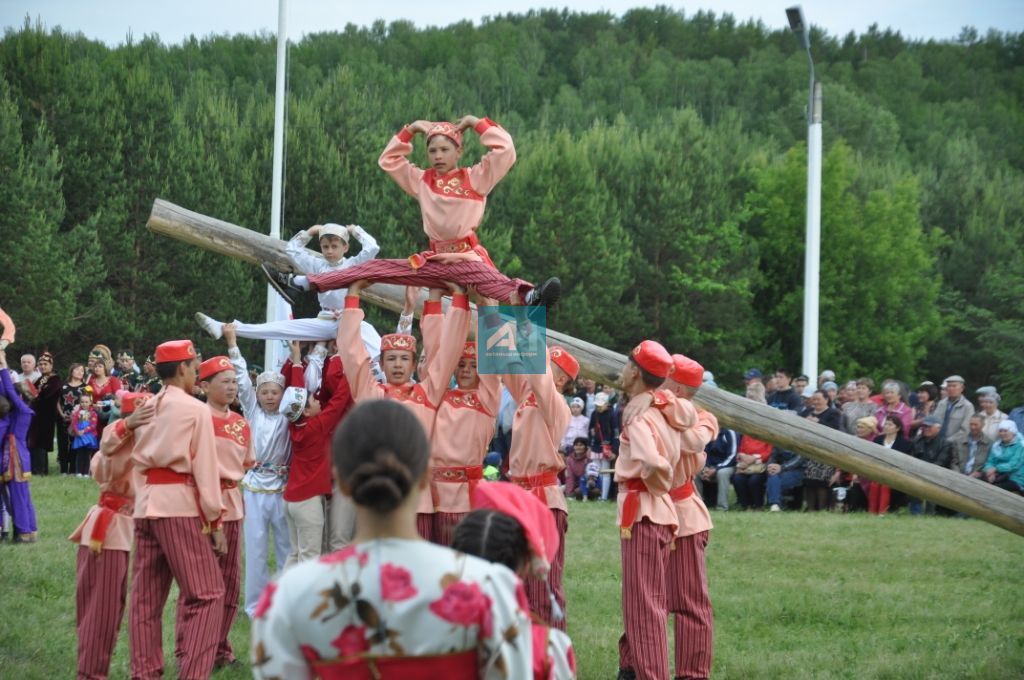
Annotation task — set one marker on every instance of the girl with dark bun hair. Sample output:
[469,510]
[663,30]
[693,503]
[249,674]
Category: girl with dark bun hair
[390,605]
[513,527]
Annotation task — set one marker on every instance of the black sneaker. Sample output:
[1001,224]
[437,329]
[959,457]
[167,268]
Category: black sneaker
[282,283]
[626,674]
[545,295]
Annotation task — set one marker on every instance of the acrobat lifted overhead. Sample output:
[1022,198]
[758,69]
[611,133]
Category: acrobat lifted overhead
[452,201]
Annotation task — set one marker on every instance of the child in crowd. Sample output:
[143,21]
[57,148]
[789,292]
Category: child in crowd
[84,432]
[576,468]
[579,425]
[492,466]
[591,486]
[511,526]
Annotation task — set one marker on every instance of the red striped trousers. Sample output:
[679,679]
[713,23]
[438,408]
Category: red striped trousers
[688,599]
[231,571]
[643,646]
[537,589]
[166,549]
[102,586]
[488,281]
[438,527]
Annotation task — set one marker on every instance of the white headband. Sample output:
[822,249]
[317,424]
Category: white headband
[269,376]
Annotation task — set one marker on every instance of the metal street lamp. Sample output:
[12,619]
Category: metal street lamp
[812,255]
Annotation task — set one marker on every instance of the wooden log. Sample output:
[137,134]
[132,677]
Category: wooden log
[922,480]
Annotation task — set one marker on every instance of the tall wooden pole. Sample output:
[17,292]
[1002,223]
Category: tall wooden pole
[930,482]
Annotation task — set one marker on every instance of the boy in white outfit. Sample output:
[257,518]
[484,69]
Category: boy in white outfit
[334,243]
[264,483]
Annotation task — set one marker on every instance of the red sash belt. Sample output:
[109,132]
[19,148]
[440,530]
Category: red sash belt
[536,483]
[681,493]
[631,506]
[161,476]
[110,504]
[456,666]
[470,474]
[469,244]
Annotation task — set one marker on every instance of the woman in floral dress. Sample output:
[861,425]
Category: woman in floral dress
[390,605]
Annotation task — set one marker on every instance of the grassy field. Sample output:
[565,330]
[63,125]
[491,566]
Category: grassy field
[815,596]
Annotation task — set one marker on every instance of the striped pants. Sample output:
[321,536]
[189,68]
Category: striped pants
[165,549]
[488,281]
[688,599]
[101,588]
[231,572]
[643,646]
[537,591]
[438,527]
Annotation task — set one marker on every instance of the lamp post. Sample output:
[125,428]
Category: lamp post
[277,308]
[812,255]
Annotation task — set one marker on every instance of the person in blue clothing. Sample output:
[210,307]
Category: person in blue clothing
[1005,464]
[713,480]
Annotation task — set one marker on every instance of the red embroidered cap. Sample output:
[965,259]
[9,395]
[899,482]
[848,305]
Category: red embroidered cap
[687,371]
[653,358]
[175,350]
[564,361]
[469,350]
[448,130]
[531,512]
[402,342]
[213,366]
[133,400]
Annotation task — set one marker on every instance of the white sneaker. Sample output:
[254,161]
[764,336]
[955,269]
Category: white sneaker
[210,325]
[775,508]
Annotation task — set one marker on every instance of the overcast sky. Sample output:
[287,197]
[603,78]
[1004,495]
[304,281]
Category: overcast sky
[112,20]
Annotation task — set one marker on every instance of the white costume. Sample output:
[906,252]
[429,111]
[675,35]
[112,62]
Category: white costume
[262,486]
[325,326]
[392,608]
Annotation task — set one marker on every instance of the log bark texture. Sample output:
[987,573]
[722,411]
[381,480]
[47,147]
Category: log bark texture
[783,429]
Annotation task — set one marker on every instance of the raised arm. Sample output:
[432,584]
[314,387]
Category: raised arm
[8,334]
[354,359]
[246,392]
[369,249]
[431,327]
[497,161]
[315,367]
[453,337]
[306,261]
[395,161]
[656,470]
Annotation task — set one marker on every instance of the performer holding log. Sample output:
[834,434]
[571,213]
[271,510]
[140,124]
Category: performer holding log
[648,451]
[104,541]
[452,200]
[235,456]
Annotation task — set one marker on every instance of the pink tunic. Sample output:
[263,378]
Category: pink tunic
[648,452]
[8,332]
[179,437]
[234,457]
[538,425]
[697,428]
[111,467]
[453,204]
[463,427]
[423,397]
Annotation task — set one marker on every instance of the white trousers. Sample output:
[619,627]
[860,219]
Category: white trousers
[263,512]
[306,329]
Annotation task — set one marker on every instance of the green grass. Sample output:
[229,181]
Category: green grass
[795,596]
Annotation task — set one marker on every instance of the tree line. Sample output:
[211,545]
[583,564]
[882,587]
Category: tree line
[661,174]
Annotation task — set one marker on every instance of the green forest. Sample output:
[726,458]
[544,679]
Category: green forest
[661,175]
